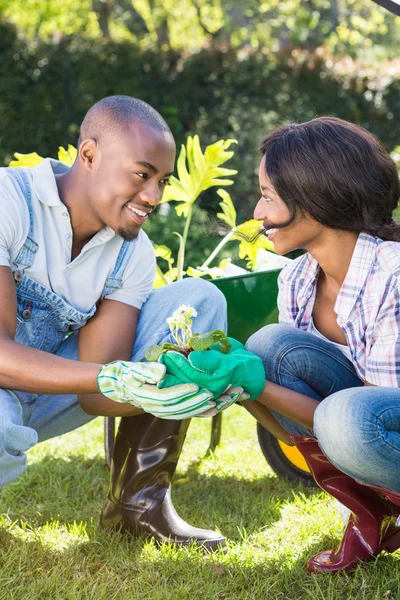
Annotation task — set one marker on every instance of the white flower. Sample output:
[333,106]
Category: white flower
[180,324]
[189,311]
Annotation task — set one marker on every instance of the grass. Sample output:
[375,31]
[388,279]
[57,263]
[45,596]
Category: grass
[51,546]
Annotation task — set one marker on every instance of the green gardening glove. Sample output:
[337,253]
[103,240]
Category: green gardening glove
[135,383]
[215,371]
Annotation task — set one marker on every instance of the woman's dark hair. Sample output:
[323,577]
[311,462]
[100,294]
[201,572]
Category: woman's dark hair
[337,172]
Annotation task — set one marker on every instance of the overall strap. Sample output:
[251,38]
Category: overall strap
[114,280]
[20,181]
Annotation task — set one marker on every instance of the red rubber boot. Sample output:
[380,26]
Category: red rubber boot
[372,525]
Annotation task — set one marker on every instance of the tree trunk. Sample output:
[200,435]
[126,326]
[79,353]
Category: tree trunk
[103,10]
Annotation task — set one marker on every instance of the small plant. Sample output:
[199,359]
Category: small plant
[180,324]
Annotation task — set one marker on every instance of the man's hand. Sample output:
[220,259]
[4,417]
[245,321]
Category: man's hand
[136,383]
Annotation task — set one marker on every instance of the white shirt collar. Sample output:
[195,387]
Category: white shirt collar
[44,182]
[45,186]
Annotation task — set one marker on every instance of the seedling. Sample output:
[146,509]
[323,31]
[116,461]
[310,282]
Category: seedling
[180,325]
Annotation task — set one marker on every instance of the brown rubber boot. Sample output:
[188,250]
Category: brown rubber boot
[145,456]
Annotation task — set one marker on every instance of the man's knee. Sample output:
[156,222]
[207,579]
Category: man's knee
[196,290]
[208,300]
[16,439]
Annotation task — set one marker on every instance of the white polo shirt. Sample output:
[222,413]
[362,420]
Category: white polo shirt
[80,282]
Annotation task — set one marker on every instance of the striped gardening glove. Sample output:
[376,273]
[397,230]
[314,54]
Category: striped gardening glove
[136,383]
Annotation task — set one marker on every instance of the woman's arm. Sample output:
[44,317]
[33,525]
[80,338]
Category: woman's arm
[296,406]
[267,420]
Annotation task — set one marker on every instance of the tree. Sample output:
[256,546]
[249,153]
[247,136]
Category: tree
[344,26]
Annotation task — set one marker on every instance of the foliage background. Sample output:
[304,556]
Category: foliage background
[219,68]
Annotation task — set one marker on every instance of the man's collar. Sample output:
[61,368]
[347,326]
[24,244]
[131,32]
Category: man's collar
[44,181]
[45,185]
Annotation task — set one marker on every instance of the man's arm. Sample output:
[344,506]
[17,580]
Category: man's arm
[29,370]
[108,336]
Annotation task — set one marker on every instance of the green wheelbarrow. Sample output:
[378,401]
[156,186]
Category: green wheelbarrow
[251,299]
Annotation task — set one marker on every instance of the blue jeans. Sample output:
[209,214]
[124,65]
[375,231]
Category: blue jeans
[357,426]
[26,419]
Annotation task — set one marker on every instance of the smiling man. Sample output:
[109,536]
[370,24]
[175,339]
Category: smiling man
[76,278]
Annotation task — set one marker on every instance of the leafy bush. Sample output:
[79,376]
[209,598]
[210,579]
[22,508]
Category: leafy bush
[46,90]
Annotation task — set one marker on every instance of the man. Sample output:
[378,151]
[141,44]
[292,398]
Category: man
[76,274]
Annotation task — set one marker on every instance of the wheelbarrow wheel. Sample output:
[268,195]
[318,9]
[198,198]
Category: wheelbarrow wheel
[286,461]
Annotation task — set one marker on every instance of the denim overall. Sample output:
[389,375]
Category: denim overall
[44,319]
[47,322]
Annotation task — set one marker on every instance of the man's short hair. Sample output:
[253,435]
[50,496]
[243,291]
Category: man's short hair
[112,115]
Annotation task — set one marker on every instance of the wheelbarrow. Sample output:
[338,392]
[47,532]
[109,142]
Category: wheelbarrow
[252,304]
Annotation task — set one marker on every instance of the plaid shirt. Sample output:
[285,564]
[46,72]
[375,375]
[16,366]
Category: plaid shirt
[367,306]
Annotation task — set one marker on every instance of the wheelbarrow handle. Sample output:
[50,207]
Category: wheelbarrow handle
[267,420]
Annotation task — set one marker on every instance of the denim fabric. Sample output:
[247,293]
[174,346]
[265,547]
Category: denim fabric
[357,426]
[28,418]
[44,319]
[46,322]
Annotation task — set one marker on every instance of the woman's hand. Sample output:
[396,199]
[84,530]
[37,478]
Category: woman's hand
[215,371]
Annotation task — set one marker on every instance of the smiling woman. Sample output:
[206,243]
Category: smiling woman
[331,364]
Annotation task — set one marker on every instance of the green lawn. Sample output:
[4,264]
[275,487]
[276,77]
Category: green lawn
[52,547]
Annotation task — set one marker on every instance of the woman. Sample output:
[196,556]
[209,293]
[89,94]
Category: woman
[332,364]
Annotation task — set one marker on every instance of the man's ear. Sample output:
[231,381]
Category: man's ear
[88,150]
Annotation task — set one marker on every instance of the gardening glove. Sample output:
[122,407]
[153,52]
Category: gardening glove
[226,400]
[215,371]
[135,383]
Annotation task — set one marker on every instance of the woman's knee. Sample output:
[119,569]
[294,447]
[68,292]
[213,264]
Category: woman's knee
[271,343]
[347,429]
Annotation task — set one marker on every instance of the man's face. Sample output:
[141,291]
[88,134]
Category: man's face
[128,176]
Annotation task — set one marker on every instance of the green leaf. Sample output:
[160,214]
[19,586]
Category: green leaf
[228,214]
[183,174]
[221,339]
[168,346]
[181,255]
[67,156]
[213,272]
[198,172]
[171,275]
[160,279]
[174,191]
[216,154]
[26,160]
[163,252]
[192,272]
[182,210]
[204,341]
[201,341]
[153,352]
[249,249]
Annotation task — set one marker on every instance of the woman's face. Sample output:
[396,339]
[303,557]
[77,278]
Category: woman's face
[272,211]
